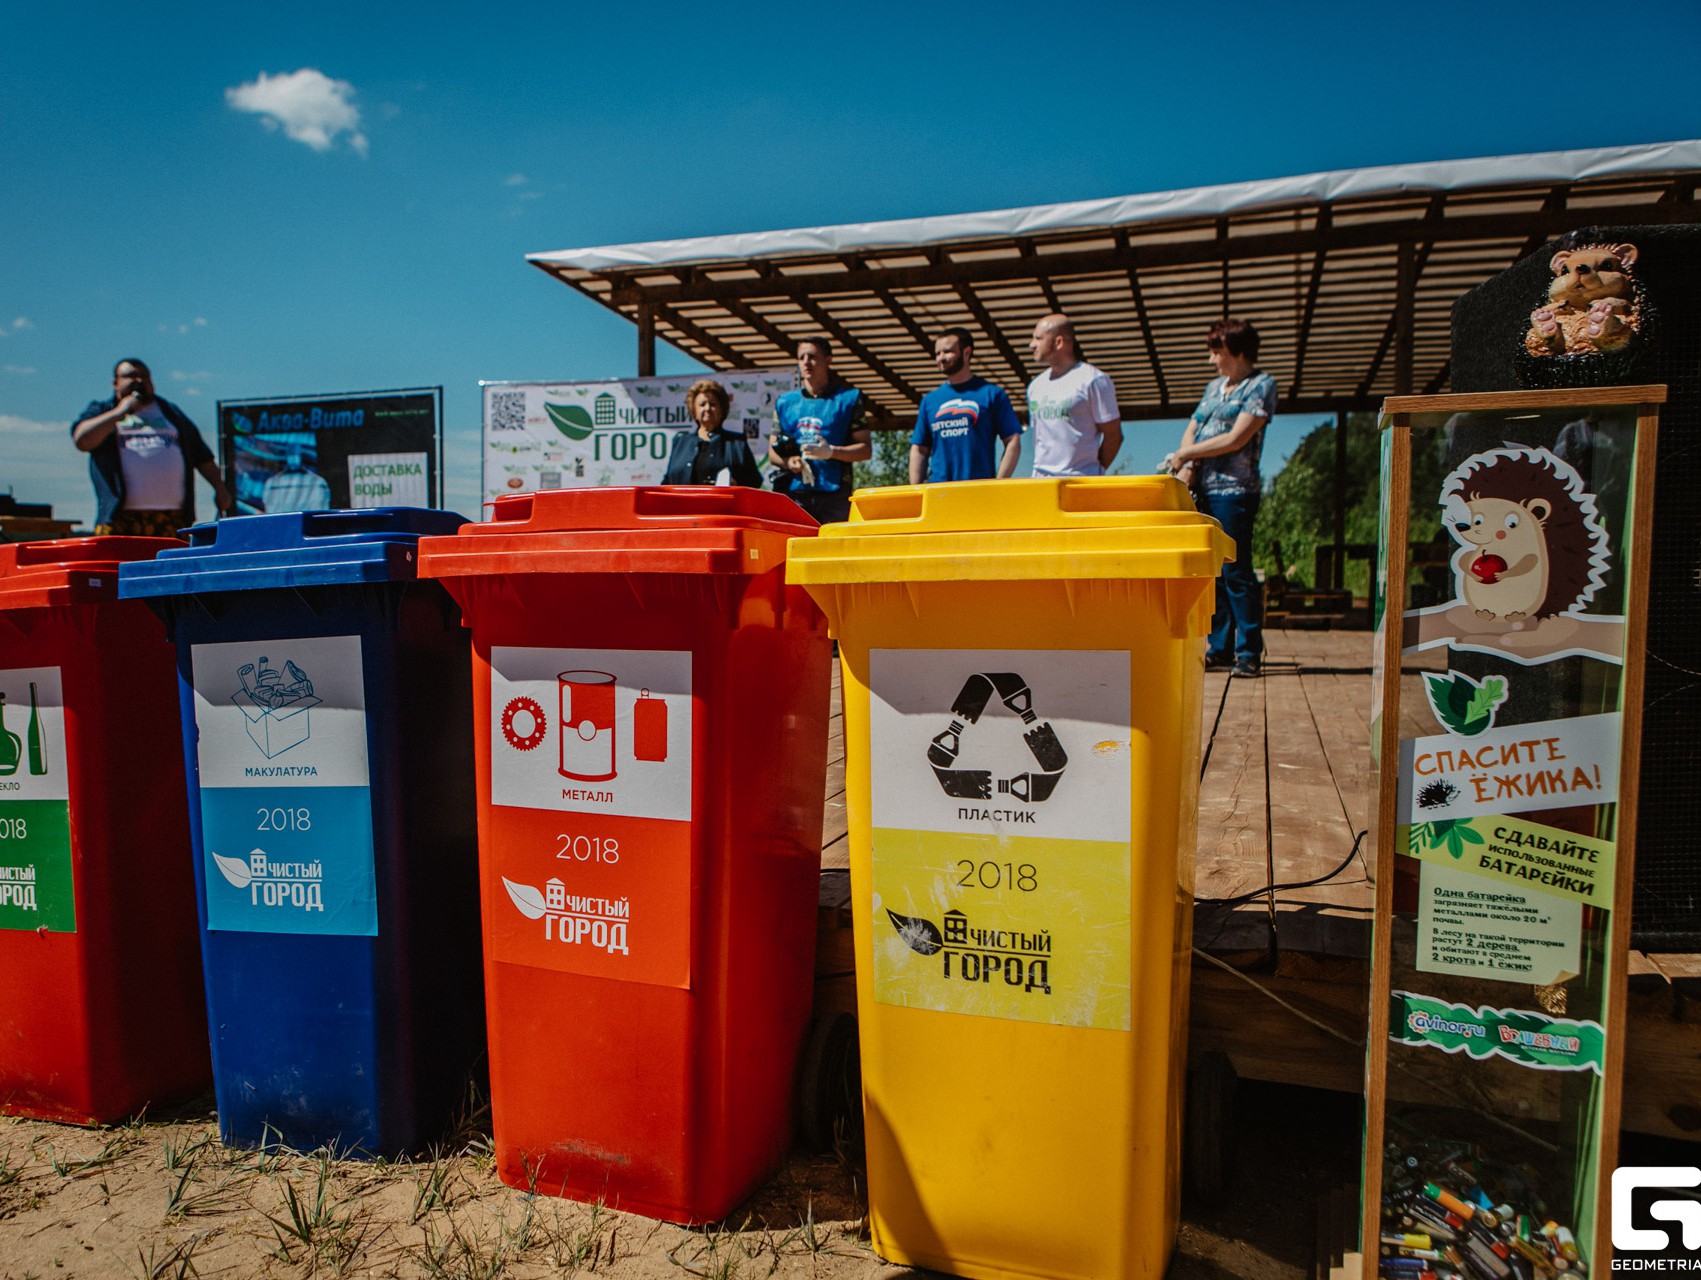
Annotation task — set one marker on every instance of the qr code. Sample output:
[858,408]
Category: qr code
[508,411]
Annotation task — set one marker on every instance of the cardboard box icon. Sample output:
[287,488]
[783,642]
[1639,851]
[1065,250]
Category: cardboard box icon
[276,729]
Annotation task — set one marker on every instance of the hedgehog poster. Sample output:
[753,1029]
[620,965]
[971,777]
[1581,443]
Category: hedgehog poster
[1532,553]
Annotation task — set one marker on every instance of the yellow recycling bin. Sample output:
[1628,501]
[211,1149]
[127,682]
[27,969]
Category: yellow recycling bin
[1022,665]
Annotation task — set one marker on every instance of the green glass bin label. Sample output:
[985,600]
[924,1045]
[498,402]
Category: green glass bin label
[35,817]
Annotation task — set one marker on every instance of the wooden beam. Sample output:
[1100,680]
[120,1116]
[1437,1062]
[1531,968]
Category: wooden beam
[850,343]
[1134,412]
[1405,316]
[1223,252]
[786,342]
[1325,220]
[646,340]
[730,357]
[1146,332]
[1338,573]
[1556,200]
[991,328]
[902,314]
[1027,247]
[1467,227]
[1408,268]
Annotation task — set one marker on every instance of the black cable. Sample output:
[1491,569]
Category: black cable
[1238,899]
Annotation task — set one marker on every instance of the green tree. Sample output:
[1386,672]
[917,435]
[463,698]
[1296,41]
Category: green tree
[1298,510]
[890,463]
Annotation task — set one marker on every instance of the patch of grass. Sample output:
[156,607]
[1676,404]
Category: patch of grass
[459,1254]
[316,1228]
[110,1151]
[807,1237]
[187,1195]
[159,1260]
[267,1158]
[432,1190]
[583,1248]
[181,1153]
[719,1252]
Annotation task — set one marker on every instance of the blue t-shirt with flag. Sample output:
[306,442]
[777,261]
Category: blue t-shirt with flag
[963,425]
[828,418]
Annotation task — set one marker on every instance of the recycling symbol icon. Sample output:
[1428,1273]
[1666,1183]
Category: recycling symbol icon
[1031,787]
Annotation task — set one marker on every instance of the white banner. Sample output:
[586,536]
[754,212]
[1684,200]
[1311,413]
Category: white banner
[1550,764]
[572,435]
[1001,742]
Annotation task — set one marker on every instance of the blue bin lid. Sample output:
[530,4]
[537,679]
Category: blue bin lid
[291,549]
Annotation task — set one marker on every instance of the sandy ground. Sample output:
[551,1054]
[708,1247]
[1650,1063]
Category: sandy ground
[162,1198]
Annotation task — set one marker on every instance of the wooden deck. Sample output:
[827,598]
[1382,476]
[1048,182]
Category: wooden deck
[1282,982]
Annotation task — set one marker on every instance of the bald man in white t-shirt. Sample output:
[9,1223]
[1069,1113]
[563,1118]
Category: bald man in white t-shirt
[1072,411]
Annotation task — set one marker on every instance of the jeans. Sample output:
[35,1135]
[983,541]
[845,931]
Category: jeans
[1237,627]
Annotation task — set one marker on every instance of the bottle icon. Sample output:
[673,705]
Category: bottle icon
[11,746]
[38,757]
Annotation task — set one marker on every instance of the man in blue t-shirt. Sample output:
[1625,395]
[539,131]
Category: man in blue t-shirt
[818,432]
[959,424]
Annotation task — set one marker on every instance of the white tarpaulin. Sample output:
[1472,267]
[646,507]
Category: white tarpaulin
[1196,202]
[569,435]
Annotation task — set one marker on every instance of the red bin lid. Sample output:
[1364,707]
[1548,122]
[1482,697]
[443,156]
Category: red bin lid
[69,570]
[662,529]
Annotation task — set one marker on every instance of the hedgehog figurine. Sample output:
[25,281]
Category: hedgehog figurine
[1593,306]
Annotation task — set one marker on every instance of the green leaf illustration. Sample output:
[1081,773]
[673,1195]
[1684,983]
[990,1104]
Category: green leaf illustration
[570,420]
[1463,705]
[1487,696]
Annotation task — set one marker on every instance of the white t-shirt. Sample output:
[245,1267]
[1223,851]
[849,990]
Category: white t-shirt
[150,458]
[1064,415]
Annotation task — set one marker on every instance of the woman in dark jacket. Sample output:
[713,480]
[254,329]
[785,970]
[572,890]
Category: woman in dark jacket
[701,455]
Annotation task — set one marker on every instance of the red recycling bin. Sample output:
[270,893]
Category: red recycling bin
[101,1010]
[650,714]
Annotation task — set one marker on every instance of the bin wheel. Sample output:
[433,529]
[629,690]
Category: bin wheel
[1211,1137]
[829,1084]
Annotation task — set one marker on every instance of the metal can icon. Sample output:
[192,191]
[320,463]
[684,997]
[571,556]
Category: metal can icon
[587,725]
[649,728]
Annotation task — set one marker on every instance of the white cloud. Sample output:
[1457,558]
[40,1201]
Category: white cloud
[200,375]
[201,321]
[18,368]
[42,465]
[307,105]
[515,180]
[22,322]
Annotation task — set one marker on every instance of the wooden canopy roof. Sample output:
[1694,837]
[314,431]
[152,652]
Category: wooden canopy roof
[1349,277]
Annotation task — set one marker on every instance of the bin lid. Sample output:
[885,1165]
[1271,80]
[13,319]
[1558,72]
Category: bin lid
[69,570]
[291,549]
[997,530]
[658,529]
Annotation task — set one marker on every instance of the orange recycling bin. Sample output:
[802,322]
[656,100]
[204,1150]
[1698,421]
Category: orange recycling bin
[650,713]
[100,961]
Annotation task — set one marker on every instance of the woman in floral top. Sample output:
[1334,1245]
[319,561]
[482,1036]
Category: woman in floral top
[1218,460]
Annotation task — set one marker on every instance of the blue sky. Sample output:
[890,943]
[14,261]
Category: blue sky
[145,212]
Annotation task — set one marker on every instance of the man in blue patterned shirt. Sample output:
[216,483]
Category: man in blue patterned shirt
[818,432]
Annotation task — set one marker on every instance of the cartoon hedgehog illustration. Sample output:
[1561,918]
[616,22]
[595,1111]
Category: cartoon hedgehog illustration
[1531,542]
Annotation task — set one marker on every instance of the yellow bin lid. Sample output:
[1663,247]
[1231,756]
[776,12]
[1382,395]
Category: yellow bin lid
[1000,530]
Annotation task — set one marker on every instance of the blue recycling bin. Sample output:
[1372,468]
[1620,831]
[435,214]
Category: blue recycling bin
[326,700]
